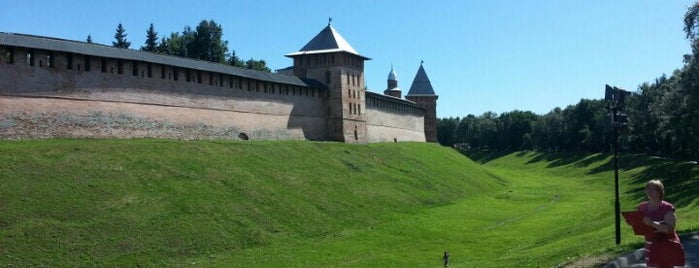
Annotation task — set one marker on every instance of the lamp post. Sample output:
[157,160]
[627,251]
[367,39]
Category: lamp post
[615,97]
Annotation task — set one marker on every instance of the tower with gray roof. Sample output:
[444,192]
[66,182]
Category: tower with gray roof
[422,94]
[329,59]
[392,87]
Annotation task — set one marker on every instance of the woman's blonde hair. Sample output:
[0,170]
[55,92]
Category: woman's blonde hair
[659,186]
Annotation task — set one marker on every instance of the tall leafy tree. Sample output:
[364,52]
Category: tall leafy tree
[120,38]
[208,44]
[151,43]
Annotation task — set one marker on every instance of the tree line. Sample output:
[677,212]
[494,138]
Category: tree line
[203,42]
[663,118]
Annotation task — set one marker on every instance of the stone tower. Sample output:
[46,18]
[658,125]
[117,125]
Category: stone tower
[422,94]
[392,88]
[330,60]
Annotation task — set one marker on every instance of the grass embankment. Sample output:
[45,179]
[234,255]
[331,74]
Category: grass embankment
[308,204]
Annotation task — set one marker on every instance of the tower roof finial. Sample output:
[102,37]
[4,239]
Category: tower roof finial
[330,20]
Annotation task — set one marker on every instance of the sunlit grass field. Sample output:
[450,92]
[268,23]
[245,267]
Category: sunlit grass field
[315,204]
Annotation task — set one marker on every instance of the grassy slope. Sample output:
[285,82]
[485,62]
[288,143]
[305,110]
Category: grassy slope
[274,204]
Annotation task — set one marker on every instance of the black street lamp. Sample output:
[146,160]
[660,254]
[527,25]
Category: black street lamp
[615,97]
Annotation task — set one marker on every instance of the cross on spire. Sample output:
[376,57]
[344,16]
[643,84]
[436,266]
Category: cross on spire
[330,20]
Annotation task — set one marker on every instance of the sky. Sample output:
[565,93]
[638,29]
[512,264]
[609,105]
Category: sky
[480,55]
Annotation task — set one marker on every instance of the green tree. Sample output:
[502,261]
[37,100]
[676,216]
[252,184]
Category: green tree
[151,43]
[207,43]
[259,65]
[445,130]
[120,37]
[234,60]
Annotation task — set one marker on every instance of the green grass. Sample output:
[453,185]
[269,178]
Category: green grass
[314,204]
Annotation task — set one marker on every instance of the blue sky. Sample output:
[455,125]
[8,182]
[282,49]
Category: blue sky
[489,55]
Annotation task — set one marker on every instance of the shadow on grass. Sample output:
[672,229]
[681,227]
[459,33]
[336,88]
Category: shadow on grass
[484,156]
[681,179]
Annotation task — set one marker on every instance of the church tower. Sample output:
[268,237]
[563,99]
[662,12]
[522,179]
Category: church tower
[392,89]
[422,94]
[330,60]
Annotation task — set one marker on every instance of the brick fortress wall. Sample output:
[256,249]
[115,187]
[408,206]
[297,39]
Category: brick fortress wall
[52,94]
[57,94]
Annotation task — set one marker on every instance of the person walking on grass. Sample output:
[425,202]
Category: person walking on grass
[446,259]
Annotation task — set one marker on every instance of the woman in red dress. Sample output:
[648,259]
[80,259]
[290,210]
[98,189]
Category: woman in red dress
[663,248]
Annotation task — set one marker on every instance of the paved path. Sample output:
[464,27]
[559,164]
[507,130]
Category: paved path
[636,259]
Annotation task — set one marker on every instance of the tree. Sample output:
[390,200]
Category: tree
[233,60]
[120,37]
[691,22]
[208,44]
[204,43]
[89,39]
[259,65]
[445,130]
[151,43]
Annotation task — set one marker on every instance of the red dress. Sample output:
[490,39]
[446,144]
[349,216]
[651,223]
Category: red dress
[663,250]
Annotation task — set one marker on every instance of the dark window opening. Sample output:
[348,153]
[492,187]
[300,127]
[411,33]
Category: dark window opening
[10,55]
[149,69]
[87,63]
[327,77]
[104,65]
[50,60]
[120,67]
[69,61]
[175,74]
[41,65]
[199,77]
[188,76]
[134,68]
[220,80]
[30,58]
[162,71]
